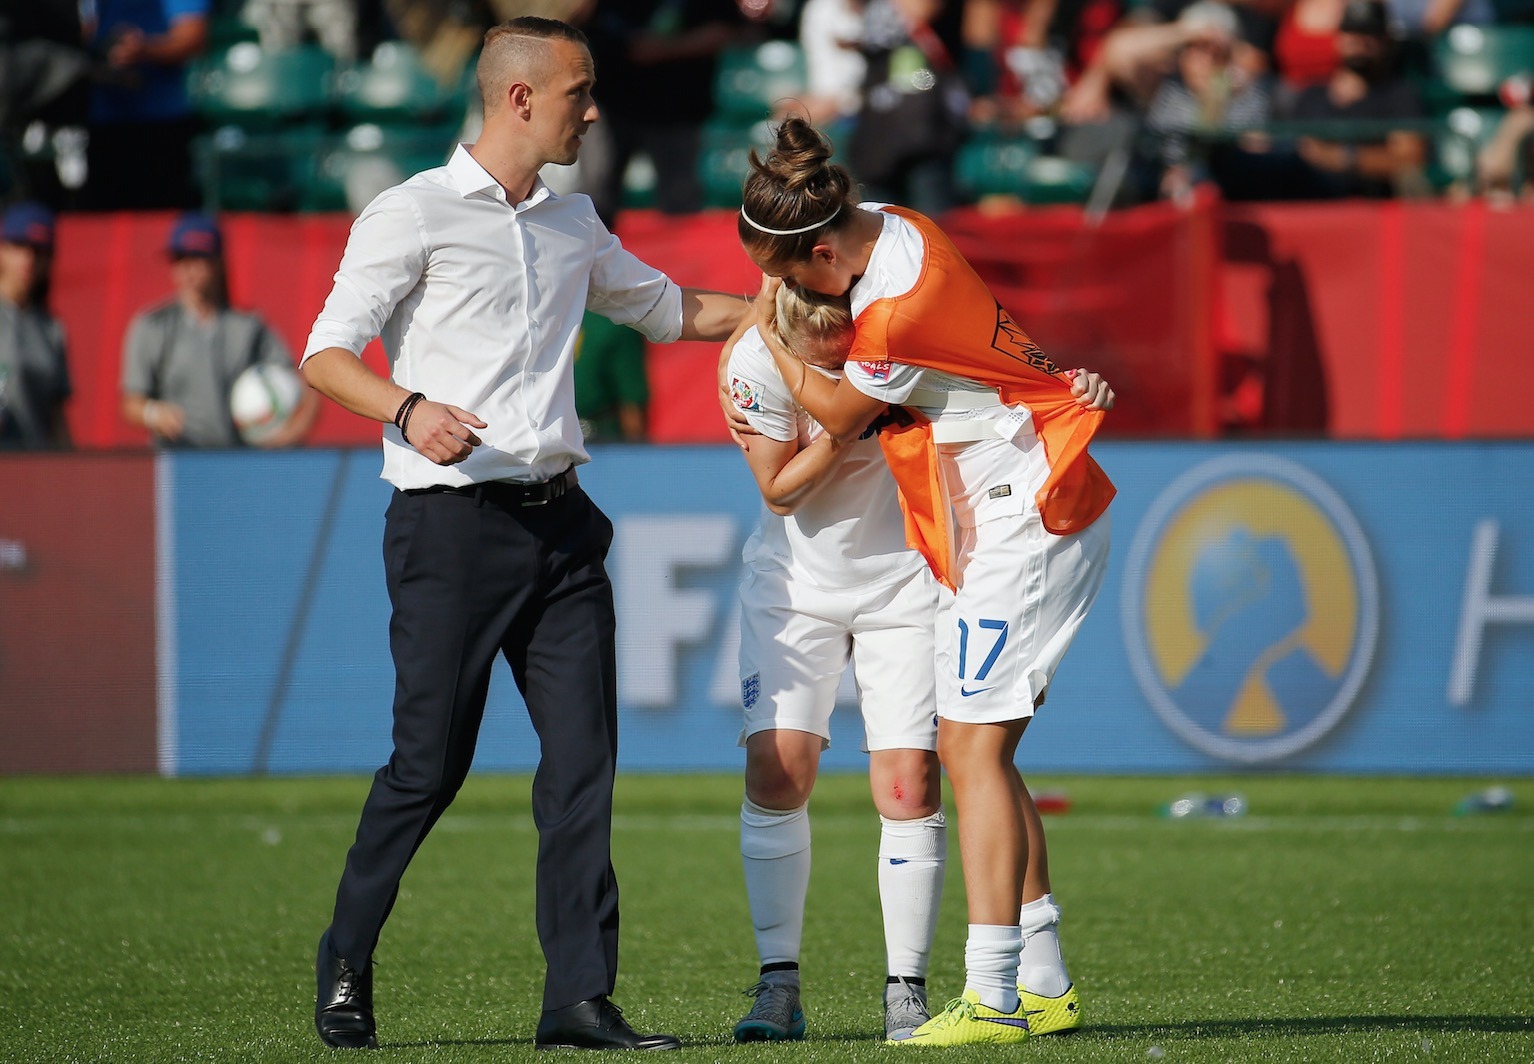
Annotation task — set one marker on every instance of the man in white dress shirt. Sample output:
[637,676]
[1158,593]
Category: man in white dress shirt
[476,277]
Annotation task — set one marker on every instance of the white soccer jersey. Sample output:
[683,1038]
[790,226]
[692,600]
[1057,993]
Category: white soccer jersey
[992,477]
[850,532]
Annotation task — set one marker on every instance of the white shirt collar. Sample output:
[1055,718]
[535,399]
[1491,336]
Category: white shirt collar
[470,178]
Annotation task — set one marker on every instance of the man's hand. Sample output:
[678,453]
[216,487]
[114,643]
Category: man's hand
[1090,389]
[164,419]
[442,433]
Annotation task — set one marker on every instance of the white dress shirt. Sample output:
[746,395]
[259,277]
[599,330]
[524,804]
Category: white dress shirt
[478,302]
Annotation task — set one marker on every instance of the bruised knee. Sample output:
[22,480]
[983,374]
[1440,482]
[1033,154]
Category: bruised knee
[906,784]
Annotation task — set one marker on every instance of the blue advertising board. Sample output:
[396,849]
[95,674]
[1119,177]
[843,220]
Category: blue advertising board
[1322,606]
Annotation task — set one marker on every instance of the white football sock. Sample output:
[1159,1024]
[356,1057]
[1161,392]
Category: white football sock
[775,853]
[912,854]
[990,964]
[1040,966]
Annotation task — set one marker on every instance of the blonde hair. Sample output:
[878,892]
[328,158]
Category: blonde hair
[806,318]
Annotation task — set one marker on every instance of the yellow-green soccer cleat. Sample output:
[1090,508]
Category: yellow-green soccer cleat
[1052,1015]
[966,1022]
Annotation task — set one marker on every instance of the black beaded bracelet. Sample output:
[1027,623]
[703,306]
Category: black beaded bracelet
[402,415]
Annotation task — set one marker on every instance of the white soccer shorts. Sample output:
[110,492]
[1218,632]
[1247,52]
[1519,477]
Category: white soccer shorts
[1023,595]
[796,641]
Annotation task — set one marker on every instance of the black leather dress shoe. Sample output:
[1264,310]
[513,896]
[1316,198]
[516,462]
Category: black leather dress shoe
[595,1024]
[343,1007]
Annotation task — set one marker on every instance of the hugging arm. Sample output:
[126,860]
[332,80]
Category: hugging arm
[842,410]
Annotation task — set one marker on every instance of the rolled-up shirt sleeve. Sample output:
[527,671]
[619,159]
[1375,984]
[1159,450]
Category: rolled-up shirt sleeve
[630,292]
[385,255]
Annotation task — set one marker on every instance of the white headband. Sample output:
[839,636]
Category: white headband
[759,227]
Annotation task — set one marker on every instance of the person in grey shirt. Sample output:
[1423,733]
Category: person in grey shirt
[181,357]
[34,375]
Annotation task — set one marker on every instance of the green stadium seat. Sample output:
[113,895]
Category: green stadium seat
[226,31]
[245,171]
[750,81]
[724,160]
[639,182]
[1015,166]
[250,87]
[394,86]
[1465,130]
[1474,60]
[350,170]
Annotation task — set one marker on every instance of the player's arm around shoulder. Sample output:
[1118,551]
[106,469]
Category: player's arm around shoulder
[787,471]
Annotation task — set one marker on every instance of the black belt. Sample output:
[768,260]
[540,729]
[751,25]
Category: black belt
[507,492]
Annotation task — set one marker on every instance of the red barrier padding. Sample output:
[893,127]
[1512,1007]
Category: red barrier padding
[1352,319]
[77,613]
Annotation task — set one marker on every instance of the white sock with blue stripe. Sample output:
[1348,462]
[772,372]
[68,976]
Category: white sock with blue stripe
[912,856]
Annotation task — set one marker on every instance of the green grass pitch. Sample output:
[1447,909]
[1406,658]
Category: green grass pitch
[1340,920]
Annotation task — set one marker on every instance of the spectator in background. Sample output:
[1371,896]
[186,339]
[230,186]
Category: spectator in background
[1103,109]
[141,119]
[915,105]
[1020,55]
[34,374]
[1509,155]
[1428,18]
[1141,50]
[180,358]
[1363,87]
[656,62]
[1209,95]
[1363,100]
[43,79]
[830,35]
[612,393]
[1305,46]
[287,23]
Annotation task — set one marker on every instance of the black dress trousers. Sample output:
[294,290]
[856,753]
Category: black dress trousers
[470,577]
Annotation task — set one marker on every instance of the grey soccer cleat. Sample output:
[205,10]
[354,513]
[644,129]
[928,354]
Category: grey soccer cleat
[774,1017]
[905,1009]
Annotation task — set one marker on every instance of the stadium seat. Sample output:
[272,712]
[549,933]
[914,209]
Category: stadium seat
[227,30]
[240,170]
[394,86]
[639,182]
[1474,60]
[252,88]
[724,160]
[350,170]
[1015,166]
[749,81]
[1465,130]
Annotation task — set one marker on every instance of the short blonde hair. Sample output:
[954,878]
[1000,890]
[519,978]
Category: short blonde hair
[805,317]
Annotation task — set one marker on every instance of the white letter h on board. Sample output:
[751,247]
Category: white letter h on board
[1480,609]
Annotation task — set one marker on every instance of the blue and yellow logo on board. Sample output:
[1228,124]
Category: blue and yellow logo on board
[1251,608]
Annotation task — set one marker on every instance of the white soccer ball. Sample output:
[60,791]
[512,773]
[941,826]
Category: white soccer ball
[263,398]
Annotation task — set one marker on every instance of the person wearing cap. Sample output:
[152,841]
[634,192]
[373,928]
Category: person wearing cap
[1209,95]
[181,357]
[34,373]
[1363,88]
